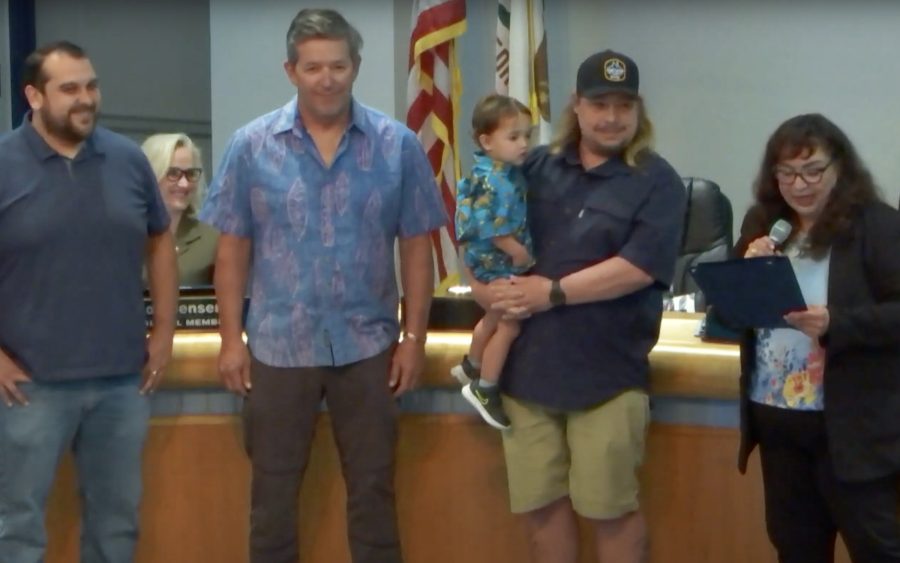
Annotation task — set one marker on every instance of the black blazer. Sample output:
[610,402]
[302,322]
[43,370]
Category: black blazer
[862,366]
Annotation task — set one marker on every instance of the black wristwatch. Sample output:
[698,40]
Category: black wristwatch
[557,296]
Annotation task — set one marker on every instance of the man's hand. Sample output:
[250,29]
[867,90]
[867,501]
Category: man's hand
[162,275]
[159,353]
[10,376]
[487,294]
[524,296]
[234,366]
[407,366]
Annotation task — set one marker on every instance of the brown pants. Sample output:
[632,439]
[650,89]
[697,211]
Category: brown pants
[279,420]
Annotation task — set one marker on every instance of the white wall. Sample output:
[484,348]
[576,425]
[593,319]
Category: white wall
[719,77]
[248,49]
[5,82]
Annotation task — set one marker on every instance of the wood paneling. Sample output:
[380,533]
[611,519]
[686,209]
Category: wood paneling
[452,497]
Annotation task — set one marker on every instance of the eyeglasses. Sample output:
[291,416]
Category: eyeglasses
[174,174]
[809,175]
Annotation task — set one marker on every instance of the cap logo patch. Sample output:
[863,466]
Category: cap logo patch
[614,70]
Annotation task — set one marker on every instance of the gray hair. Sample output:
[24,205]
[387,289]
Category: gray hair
[311,23]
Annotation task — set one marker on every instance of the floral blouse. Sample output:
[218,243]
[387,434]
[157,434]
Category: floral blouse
[790,366]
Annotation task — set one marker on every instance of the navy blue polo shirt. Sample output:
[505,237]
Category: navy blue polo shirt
[577,356]
[73,235]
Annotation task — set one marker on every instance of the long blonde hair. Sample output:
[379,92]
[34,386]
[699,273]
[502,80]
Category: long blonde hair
[569,133]
[159,149]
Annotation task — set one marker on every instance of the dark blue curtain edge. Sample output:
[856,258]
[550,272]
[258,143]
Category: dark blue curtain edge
[22,41]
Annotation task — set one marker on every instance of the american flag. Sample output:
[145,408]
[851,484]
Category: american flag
[433,93]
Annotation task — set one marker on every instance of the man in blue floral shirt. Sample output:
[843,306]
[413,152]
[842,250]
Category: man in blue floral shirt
[317,192]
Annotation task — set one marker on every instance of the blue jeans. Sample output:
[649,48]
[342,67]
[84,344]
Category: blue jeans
[104,422]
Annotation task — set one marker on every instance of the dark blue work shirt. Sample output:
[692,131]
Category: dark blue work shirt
[577,356]
[73,235]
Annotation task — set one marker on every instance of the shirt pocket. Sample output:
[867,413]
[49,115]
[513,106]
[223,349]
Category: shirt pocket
[602,225]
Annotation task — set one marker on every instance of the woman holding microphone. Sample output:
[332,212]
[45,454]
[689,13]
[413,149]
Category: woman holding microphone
[822,399]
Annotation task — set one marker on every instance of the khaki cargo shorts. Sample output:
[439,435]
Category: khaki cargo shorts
[591,456]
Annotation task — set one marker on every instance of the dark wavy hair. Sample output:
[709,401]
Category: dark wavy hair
[801,136]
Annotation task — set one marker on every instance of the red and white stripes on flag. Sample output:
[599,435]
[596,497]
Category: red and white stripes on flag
[433,95]
[522,70]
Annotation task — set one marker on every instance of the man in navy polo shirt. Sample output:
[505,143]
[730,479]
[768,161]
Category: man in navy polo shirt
[606,216]
[80,212]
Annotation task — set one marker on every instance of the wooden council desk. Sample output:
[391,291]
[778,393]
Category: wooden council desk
[451,480]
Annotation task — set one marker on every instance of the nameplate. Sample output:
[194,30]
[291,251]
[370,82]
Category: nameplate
[200,311]
[194,312]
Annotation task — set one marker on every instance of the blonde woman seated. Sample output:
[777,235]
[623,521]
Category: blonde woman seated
[175,160]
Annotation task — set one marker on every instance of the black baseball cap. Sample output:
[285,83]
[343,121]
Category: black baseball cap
[606,72]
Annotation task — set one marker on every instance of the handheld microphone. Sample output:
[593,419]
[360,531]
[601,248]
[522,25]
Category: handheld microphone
[780,231]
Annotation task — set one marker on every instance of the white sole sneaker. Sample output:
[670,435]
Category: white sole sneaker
[473,400]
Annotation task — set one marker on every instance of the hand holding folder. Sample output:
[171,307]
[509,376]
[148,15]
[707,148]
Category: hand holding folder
[751,292]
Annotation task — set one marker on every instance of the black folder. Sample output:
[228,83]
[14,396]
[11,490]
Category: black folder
[751,292]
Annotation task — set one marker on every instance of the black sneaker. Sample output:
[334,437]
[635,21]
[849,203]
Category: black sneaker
[465,372]
[488,403]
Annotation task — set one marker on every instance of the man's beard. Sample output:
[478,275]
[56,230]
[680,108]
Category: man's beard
[64,128]
[607,150]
